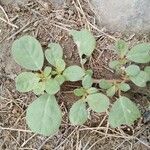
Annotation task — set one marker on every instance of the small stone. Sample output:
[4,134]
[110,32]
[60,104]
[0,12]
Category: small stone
[123,16]
[146,117]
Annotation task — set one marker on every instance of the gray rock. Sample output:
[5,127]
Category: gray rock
[124,16]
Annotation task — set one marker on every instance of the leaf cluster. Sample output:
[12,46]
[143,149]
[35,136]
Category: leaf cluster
[44,114]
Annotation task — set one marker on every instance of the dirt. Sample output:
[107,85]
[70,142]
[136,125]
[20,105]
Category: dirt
[50,24]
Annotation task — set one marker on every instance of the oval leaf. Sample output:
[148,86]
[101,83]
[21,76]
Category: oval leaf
[26,81]
[89,72]
[87,81]
[98,102]
[132,70]
[74,73]
[60,65]
[39,88]
[147,70]
[124,87]
[54,52]
[85,41]
[52,86]
[92,90]
[140,79]
[140,53]
[78,114]
[104,84]
[80,91]
[121,48]
[114,64]
[123,111]
[60,79]
[111,91]
[44,115]
[47,71]
[27,52]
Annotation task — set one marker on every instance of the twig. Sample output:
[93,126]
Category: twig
[44,143]
[82,12]
[4,12]
[43,4]
[111,81]
[65,139]
[96,142]
[24,143]
[12,129]
[142,142]
[7,21]
[20,30]
[61,27]
[110,135]
[96,28]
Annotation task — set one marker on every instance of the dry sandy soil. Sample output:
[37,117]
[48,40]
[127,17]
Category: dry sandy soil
[50,24]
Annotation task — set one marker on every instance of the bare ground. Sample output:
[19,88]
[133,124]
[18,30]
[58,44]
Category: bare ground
[49,24]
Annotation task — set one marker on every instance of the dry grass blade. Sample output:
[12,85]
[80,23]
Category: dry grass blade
[13,129]
[7,21]
[56,148]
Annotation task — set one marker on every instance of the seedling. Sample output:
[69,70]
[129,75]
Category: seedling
[97,101]
[44,114]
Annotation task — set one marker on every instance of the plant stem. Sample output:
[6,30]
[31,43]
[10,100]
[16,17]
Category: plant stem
[112,81]
[81,62]
[41,71]
[119,92]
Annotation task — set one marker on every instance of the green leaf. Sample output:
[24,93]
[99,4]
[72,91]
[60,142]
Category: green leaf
[104,84]
[124,87]
[147,70]
[80,91]
[92,90]
[140,53]
[89,72]
[111,91]
[60,79]
[132,70]
[74,73]
[28,53]
[140,79]
[44,115]
[39,88]
[114,64]
[78,114]
[98,102]
[60,65]
[26,81]
[87,81]
[53,53]
[123,112]
[47,71]
[53,73]
[121,48]
[85,41]
[52,86]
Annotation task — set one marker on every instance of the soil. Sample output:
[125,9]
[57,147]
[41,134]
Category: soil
[50,24]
